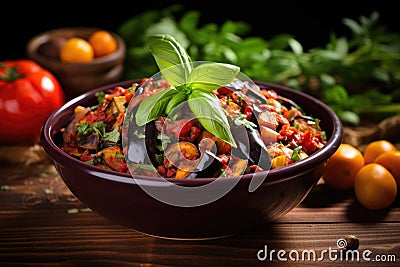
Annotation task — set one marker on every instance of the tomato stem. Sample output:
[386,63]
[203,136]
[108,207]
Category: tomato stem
[11,74]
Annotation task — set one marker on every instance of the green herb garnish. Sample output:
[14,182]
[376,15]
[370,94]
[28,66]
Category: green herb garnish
[101,98]
[194,84]
[112,136]
[296,154]
[99,127]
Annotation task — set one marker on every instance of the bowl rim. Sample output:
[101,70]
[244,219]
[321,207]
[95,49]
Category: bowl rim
[37,40]
[274,175]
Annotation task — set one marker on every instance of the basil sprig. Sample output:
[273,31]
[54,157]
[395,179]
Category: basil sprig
[153,107]
[188,83]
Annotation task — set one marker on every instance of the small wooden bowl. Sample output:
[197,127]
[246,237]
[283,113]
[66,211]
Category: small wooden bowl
[78,78]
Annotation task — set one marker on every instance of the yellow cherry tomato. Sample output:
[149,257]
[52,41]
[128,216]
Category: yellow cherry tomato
[391,161]
[76,50]
[375,187]
[375,148]
[103,43]
[342,167]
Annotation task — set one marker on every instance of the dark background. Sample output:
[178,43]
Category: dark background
[310,22]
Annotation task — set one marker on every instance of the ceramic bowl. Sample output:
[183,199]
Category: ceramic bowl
[121,198]
[77,78]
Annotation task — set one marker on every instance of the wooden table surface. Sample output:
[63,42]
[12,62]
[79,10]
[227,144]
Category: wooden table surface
[43,224]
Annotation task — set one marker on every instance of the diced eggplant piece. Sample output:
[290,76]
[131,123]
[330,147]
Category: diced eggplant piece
[90,143]
[71,150]
[149,141]
[106,144]
[307,118]
[141,142]
[256,95]
[111,108]
[137,153]
[208,166]
[250,146]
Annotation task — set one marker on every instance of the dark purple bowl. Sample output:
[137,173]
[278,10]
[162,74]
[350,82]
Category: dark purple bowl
[121,199]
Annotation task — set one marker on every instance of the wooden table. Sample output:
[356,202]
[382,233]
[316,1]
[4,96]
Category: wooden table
[43,224]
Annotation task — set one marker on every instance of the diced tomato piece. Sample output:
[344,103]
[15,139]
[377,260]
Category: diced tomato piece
[85,156]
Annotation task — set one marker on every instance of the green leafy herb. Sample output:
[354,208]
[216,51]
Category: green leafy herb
[210,114]
[100,99]
[154,106]
[85,129]
[171,58]
[296,154]
[188,82]
[112,136]
[211,76]
[175,101]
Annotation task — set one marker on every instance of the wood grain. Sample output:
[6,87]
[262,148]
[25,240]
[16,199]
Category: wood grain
[43,224]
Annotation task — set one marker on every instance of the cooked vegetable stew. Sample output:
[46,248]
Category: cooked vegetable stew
[270,131]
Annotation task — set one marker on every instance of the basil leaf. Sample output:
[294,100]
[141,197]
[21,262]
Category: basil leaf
[210,76]
[171,58]
[177,99]
[153,107]
[208,111]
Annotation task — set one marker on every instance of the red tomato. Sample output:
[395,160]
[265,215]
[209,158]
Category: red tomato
[28,95]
